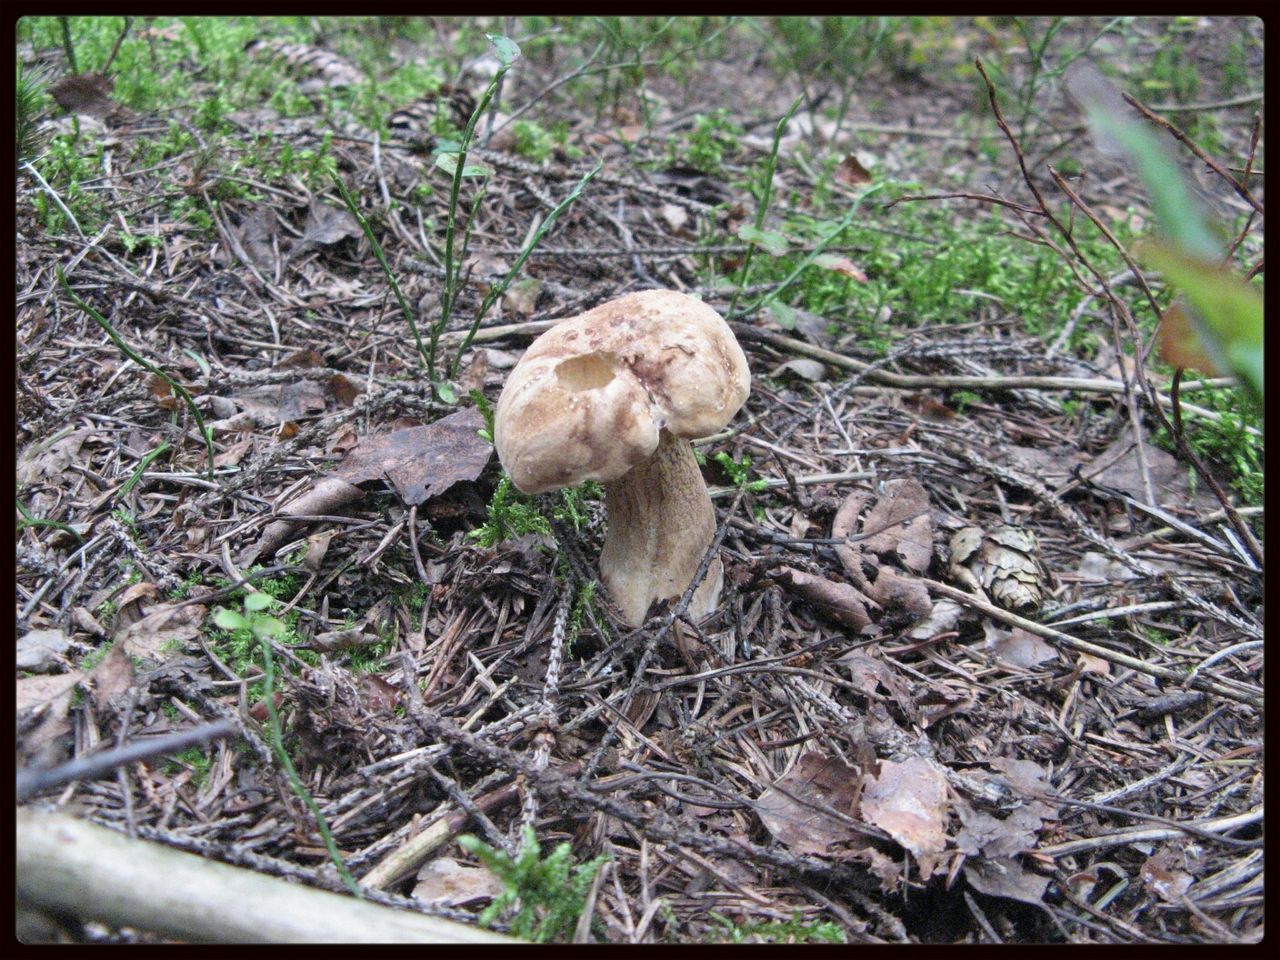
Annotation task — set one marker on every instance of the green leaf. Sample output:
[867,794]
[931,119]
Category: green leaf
[445,391]
[772,242]
[257,602]
[448,162]
[784,314]
[508,50]
[229,619]
[264,627]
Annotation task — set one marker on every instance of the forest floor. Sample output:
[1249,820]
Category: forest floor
[988,664]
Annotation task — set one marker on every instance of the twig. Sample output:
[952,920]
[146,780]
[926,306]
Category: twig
[34,781]
[1240,187]
[1123,838]
[70,866]
[1231,692]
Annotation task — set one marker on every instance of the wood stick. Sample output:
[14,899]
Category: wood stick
[72,867]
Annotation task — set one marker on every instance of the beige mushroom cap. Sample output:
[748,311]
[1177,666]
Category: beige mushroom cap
[589,397]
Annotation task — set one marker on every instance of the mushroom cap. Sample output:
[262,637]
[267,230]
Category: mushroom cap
[589,397]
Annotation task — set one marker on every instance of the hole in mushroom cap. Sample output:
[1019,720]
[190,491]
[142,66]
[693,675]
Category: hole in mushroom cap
[590,371]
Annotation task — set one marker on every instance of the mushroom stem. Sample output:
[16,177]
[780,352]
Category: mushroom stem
[661,523]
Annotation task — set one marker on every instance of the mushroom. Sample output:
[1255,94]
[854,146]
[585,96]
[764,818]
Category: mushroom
[614,395]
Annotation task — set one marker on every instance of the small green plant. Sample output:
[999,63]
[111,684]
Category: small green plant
[257,621]
[255,618]
[137,358]
[511,515]
[713,137]
[739,472]
[532,140]
[547,896]
[795,930]
[197,758]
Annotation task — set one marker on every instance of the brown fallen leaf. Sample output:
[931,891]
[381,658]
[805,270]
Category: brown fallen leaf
[901,524]
[521,297]
[1005,878]
[233,454]
[787,813]
[897,592]
[843,526]
[422,462]
[1162,877]
[325,226]
[444,882]
[112,675]
[840,602]
[851,172]
[45,728]
[908,801]
[342,390]
[162,632]
[258,234]
[301,399]
[379,695]
[41,650]
[1017,647]
[48,461]
[867,673]
[841,265]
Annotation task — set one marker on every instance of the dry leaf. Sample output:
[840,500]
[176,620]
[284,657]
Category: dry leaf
[944,616]
[844,524]
[838,601]
[1005,878]
[851,172]
[257,234]
[867,673]
[446,883]
[901,524]
[815,371]
[112,676]
[794,822]
[521,297]
[894,591]
[327,225]
[908,801]
[342,390]
[45,743]
[675,215]
[841,265]
[1168,476]
[233,454]
[1179,342]
[1017,647]
[422,462]
[328,496]
[41,650]
[1162,878]
[1087,663]
[47,461]
[162,632]
[378,694]
[300,400]
[1098,566]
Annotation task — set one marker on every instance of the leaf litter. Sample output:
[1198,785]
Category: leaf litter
[823,650]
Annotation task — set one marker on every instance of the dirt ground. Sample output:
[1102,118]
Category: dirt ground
[856,739]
